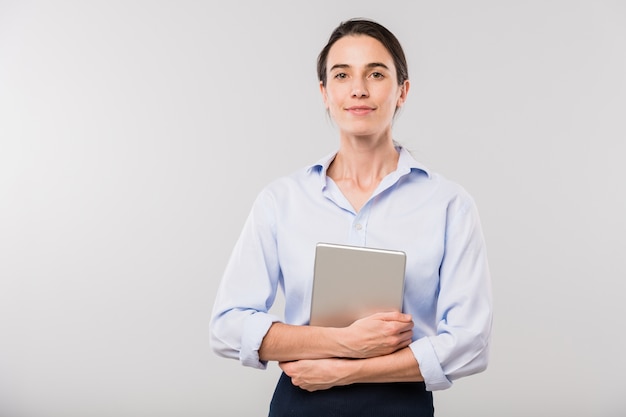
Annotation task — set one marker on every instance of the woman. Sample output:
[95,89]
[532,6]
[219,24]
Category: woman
[371,192]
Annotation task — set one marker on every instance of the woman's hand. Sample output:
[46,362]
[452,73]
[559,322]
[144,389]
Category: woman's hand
[377,335]
[320,374]
[317,374]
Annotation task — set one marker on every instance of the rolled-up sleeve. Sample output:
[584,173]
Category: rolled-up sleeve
[240,317]
[460,346]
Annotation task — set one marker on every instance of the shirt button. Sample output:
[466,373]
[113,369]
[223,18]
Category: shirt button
[358,226]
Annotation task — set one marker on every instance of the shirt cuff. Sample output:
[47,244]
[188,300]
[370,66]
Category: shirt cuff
[430,368]
[254,330]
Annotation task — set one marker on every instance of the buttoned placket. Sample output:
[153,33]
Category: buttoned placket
[358,230]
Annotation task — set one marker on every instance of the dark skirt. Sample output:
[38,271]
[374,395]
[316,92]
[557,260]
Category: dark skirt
[398,399]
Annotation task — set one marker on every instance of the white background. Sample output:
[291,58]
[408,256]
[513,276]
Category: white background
[134,136]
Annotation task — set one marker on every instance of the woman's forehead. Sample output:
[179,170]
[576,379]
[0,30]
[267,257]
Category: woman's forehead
[358,50]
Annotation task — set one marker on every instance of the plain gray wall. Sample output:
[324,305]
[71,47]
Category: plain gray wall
[134,136]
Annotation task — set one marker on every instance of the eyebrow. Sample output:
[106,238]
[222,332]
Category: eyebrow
[369,66]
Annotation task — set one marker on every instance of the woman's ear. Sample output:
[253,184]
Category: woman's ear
[324,95]
[404,91]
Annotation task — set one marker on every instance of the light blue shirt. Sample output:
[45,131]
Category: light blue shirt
[433,220]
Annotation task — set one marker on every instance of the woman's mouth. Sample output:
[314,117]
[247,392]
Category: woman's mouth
[360,110]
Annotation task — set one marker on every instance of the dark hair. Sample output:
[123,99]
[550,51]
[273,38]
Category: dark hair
[368,28]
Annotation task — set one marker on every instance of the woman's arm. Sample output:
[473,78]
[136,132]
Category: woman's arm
[378,334]
[320,374]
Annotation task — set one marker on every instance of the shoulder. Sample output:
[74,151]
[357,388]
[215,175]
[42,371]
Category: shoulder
[457,200]
[293,186]
[435,182]
[292,182]
[449,186]
[306,179]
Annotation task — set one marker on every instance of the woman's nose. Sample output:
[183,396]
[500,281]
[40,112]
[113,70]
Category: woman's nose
[359,89]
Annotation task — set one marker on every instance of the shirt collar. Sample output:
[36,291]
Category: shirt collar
[406,163]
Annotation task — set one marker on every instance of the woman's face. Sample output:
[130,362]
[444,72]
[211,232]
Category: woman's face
[362,91]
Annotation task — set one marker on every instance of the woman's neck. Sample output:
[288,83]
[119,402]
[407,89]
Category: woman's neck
[360,166]
[364,160]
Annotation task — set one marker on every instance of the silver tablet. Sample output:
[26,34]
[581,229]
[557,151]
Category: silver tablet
[351,282]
